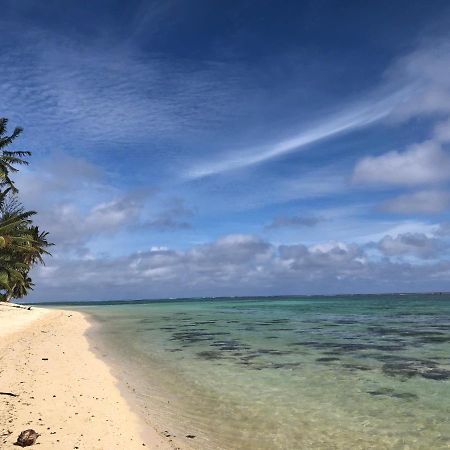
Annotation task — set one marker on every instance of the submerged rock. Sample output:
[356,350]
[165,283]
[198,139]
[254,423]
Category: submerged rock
[409,369]
[388,392]
[209,355]
[230,345]
[437,374]
[401,369]
[355,366]
[327,359]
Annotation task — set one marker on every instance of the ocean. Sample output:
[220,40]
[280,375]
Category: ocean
[341,372]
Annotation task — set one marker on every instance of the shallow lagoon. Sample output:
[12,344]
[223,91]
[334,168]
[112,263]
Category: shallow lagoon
[354,372]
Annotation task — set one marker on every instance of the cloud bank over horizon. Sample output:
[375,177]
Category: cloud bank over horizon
[248,265]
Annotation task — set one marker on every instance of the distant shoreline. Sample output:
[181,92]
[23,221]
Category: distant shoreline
[220,298]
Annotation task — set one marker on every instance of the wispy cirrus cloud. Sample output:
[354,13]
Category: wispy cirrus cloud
[352,118]
[103,92]
[415,85]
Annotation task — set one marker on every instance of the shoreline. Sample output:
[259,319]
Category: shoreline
[130,390]
[63,389]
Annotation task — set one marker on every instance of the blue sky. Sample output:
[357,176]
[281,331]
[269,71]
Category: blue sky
[205,148]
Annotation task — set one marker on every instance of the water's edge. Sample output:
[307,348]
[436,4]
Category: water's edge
[129,390]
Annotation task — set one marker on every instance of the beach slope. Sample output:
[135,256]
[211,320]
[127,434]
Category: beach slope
[60,388]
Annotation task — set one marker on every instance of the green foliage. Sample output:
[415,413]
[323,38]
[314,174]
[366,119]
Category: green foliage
[22,244]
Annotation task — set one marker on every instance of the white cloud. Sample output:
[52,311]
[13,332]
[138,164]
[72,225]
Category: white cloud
[71,227]
[394,229]
[426,163]
[422,202]
[77,204]
[246,264]
[419,164]
[113,214]
[415,244]
[426,71]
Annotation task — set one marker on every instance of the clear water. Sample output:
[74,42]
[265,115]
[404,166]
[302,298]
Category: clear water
[289,373]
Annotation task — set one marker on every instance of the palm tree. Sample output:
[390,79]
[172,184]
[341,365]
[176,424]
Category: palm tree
[22,244]
[8,159]
[16,251]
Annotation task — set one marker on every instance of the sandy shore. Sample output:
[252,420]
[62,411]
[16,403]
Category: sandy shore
[64,391]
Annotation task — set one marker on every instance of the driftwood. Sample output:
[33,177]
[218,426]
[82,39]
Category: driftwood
[9,393]
[27,438]
[15,305]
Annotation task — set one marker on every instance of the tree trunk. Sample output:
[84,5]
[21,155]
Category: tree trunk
[8,295]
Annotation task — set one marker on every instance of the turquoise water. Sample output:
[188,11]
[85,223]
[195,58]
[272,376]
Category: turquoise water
[288,373]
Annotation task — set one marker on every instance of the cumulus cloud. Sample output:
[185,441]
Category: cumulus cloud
[419,164]
[341,260]
[246,264]
[231,262]
[77,204]
[425,163]
[422,202]
[113,214]
[70,228]
[414,244]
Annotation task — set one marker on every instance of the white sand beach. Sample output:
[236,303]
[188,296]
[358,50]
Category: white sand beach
[60,388]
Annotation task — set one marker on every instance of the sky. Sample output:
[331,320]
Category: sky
[197,148]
